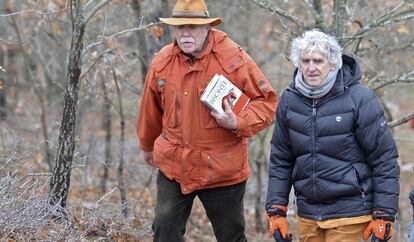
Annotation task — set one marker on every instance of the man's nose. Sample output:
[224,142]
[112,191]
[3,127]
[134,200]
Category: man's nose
[186,33]
[186,30]
[312,66]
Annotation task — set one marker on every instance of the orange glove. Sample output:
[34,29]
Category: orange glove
[277,220]
[380,227]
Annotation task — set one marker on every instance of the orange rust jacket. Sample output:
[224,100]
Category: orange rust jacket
[187,143]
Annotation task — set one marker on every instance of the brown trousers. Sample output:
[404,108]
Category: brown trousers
[313,231]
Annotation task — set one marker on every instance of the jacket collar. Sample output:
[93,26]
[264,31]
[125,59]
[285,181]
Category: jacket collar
[349,74]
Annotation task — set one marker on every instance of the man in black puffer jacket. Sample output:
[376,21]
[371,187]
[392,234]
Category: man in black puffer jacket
[331,142]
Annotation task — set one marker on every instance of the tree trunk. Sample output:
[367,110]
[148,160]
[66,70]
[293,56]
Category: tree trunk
[143,48]
[258,157]
[86,169]
[258,205]
[108,136]
[339,18]
[43,121]
[246,27]
[166,12]
[317,4]
[3,83]
[60,181]
[28,66]
[3,101]
[121,184]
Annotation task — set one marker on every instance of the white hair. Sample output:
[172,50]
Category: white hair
[315,40]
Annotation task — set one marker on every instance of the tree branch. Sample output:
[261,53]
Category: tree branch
[106,39]
[33,10]
[390,17]
[94,10]
[273,9]
[405,77]
[401,120]
[20,12]
[316,15]
[14,43]
[95,62]
[386,50]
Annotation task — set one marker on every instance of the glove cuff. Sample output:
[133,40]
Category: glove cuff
[278,210]
[384,216]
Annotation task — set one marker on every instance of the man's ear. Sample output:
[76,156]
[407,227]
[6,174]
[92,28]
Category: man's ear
[333,67]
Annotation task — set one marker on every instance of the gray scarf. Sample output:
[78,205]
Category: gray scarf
[315,92]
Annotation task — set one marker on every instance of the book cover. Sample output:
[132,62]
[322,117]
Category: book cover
[219,89]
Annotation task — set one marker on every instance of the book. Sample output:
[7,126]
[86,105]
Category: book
[219,89]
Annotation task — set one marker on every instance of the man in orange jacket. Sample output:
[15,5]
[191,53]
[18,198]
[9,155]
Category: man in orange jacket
[200,152]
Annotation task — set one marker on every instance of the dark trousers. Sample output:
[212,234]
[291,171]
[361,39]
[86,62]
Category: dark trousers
[224,208]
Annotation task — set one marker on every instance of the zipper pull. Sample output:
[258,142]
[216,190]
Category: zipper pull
[313,107]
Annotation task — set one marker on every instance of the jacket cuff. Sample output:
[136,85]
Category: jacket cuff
[241,124]
[277,210]
[379,214]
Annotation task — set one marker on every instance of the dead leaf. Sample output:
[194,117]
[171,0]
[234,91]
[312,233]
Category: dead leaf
[137,222]
[157,31]
[403,30]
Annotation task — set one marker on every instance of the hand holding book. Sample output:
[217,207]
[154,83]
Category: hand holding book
[228,119]
[219,89]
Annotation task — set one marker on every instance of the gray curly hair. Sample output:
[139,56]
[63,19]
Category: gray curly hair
[315,40]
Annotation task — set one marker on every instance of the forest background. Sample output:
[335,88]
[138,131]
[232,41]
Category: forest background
[71,76]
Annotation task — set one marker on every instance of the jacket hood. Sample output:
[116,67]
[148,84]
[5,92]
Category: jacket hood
[350,71]
[349,74]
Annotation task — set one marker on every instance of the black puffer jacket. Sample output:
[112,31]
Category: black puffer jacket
[336,151]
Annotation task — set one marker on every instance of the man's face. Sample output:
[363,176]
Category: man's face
[315,67]
[191,38]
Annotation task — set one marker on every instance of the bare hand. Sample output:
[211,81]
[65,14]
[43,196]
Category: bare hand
[148,159]
[227,120]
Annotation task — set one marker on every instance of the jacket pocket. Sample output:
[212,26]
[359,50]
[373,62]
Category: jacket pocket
[170,105]
[208,120]
[359,184]
[163,153]
[343,183]
[224,163]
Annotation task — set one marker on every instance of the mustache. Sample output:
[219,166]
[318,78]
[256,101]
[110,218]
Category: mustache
[186,40]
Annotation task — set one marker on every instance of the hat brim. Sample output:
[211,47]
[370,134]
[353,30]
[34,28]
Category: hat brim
[195,21]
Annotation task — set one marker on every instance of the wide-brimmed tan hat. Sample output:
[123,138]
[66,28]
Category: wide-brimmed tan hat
[190,12]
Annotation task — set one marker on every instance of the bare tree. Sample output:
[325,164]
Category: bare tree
[29,68]
[143,49]
[402,11]
[107,126]
[120,171]
[166,11]
[3,83]
[339,12]
[60,182]
[258,155]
